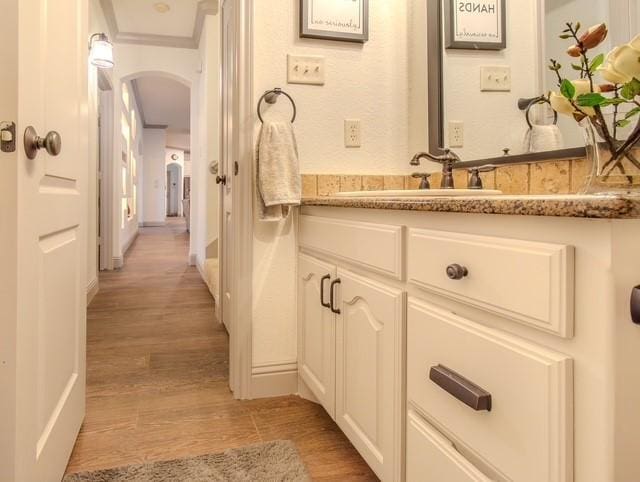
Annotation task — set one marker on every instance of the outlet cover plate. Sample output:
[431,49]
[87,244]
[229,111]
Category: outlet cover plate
[305,69]
[495,79]
[456,134]
[352,133]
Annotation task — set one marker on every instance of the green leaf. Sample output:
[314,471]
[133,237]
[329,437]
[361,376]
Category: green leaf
[591,100]
[613,101]
[623,123]
[596,63]
[567,89]
[630,89]
[576,67]
[565,36]
[632,113]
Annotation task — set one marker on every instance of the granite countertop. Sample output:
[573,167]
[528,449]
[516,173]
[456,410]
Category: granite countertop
[613,206]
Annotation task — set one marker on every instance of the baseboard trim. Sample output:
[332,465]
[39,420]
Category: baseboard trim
[92,290]
[193,259]
[305,392]
[153,224]
[118,262]
[274,380]
[129,243]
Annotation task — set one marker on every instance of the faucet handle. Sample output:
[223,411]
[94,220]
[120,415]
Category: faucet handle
[424,184]
[475,181]
[449,157]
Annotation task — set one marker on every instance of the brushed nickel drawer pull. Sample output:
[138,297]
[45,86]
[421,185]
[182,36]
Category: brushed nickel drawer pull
[464,390]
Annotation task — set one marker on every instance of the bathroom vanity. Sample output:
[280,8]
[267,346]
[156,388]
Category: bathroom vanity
[475,339]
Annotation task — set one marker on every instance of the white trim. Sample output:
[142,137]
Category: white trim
[242,382]
[117,262]
[129,242]
[92,290]
[275,367]
[153,224]
[105,172]
[193,259]
[274,380]
[204,8]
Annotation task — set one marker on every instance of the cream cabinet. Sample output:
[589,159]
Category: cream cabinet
[472,347]
[316,330]
[369,369]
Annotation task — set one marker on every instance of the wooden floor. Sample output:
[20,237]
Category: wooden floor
[157,365]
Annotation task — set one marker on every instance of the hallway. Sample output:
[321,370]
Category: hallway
[157,365]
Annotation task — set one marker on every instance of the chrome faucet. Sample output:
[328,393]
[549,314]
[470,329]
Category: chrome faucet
[448,159]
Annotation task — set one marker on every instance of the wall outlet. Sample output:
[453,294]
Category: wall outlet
[456,134]
[352,133]
[495,79]
[305,69]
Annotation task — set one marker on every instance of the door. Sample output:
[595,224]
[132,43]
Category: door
[369,349]
[228,143]
[316,330]
[47,328]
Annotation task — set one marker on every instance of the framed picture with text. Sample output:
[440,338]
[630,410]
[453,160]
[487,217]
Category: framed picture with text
[345,20]
[475,24]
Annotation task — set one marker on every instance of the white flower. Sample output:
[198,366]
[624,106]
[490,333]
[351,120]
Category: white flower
[562,105]
[623,63]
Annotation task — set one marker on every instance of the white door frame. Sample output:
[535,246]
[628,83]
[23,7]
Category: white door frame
[241,268]
[105,164]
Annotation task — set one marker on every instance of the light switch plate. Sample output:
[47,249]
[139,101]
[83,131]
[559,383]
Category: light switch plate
[305,69]
[495,79]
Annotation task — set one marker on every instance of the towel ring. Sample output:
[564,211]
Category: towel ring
[527,104]
[271,97]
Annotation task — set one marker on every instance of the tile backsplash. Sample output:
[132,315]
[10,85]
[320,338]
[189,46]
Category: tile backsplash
[549,177]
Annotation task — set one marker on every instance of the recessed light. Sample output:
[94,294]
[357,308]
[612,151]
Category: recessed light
[161,7]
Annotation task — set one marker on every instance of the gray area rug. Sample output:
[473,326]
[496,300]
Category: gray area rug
[271,461]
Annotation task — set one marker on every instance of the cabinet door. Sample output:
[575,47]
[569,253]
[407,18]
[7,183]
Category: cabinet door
[369,349]
[316,330]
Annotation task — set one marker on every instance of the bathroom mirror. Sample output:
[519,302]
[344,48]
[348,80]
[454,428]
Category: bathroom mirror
[475,97]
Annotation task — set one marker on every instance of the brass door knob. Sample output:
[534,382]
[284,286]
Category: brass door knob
[52,143]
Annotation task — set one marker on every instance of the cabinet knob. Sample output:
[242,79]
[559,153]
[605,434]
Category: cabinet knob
[457,272]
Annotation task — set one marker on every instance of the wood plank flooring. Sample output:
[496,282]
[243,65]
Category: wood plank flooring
[157,367]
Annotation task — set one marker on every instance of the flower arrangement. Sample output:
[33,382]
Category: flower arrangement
[616,97]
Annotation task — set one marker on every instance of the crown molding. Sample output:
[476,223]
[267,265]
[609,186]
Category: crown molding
[204,8]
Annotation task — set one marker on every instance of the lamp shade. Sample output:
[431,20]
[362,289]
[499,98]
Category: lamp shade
[101,51]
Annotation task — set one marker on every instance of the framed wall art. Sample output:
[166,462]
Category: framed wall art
[475,24]
[345,20]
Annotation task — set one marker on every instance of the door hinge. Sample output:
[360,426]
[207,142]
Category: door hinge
[7,136]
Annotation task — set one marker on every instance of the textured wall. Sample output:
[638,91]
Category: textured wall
[369,82]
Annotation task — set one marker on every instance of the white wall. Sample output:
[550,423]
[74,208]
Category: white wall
[492,120]
[182,65]
[154,177]
[367,82]
[97,23]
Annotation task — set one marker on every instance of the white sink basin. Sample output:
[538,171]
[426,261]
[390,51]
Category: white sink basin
[421,193]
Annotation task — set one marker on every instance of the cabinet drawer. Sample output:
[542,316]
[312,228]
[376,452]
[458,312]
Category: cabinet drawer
[377,247]
[527,434]
[433,458]
[526,281]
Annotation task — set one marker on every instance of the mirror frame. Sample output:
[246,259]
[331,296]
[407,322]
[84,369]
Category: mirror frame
[435,102]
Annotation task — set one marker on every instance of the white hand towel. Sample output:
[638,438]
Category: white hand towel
[542,138]
[277,171]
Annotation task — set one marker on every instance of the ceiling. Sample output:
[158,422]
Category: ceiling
[164,103]
[138,21]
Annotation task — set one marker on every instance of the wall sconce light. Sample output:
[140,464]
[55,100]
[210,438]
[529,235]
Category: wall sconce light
[100,51]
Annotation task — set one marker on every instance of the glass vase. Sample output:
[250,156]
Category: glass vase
[601,173]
